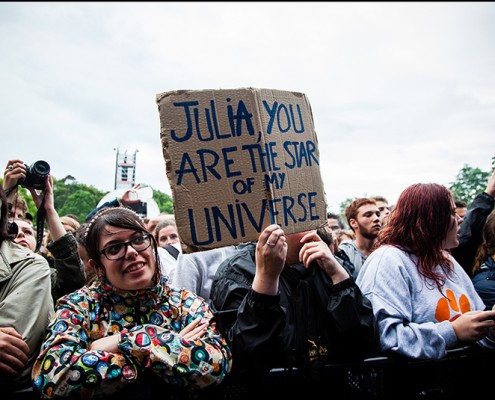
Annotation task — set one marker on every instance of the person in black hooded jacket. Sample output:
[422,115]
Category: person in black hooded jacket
[471,228]
[286,302]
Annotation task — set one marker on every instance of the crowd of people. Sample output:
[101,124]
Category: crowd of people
[112,305]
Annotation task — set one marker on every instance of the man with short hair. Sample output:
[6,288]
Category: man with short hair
[334,221]
[383,207]
[363,217]
[461,208]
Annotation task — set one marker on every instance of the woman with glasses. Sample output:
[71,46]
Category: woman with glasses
[128,327]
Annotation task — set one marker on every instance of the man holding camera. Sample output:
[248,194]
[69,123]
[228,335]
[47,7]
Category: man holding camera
[25,297]
[67,272]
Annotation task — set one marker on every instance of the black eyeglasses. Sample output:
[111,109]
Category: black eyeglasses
[116,251]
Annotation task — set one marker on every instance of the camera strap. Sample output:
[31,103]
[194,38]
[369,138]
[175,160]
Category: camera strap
[40,224]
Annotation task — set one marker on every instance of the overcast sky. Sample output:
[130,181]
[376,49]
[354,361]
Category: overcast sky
[400,92]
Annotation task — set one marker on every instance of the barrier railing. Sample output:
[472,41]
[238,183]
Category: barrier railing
[460,374]
[382,378]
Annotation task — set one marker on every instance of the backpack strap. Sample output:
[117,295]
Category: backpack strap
[172,250]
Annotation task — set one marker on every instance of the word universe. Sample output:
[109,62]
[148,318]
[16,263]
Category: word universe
[233,220]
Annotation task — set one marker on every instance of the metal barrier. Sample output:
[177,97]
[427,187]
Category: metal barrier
[457,375]
[381,378]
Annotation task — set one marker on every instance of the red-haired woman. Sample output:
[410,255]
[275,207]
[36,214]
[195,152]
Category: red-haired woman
[423,300]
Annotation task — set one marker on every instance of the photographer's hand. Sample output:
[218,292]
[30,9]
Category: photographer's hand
[490,186]
[53,222]
[14,171]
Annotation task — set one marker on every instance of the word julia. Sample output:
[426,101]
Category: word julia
[279,115]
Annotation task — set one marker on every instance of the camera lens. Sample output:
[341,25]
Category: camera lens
[40,168]
[36,174]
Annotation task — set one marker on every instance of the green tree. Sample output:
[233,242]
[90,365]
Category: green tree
[469,183]
[344,204]
[164,201]
[72,197]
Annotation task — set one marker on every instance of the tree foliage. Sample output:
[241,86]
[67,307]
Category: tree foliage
[164,201]
[72,197]
[470,181]
[344,204]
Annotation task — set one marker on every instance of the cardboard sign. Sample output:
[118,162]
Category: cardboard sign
[239,160]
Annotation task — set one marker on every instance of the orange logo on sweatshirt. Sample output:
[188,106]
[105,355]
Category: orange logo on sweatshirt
[446,306]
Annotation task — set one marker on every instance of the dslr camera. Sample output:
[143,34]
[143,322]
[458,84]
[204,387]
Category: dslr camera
[36,174]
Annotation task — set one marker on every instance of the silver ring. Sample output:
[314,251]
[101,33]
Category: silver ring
[269,244]
[11,167]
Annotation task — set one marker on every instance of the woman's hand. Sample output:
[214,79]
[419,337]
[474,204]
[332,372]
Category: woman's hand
[316,250]
[192,331]
[195,329]
[473,325]
[107,343]
[271,252]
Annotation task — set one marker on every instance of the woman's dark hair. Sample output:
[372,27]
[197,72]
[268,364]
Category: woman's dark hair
[487,246]
[326,235]
[80,233]
[419,224]
[119,217]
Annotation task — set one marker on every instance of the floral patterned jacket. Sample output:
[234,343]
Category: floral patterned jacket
[148,322]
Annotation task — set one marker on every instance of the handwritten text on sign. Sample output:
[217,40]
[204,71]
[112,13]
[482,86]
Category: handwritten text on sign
[229,145]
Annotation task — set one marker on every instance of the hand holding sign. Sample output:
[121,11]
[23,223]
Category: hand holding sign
[239,160]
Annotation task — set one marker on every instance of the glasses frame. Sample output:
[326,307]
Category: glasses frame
[127,243]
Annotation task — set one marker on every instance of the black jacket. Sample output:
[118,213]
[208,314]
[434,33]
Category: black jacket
[471,231]
[484,282]
[310,322]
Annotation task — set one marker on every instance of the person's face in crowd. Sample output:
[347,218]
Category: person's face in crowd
[294,246]
[384,209]
[25,235]
[168,235]
[18,214]
[461,211]
[133,263]
[367,221]
[334,246]
[68,228]
[344,237]
[452,239]
[333,224]
[151,225]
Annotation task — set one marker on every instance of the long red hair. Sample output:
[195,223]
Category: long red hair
[418,224]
